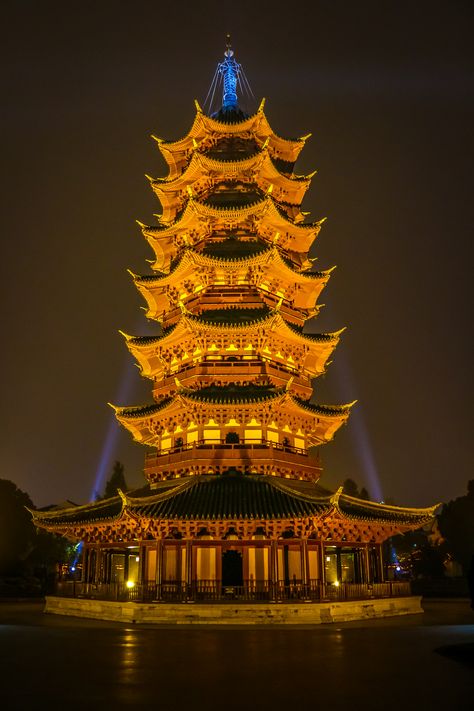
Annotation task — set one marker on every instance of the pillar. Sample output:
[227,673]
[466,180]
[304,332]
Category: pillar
[304,565]
[96,572]
[189,567]
[379,548]
[159,568]
[274,569]
[366,565]
[142,564]
[322,564]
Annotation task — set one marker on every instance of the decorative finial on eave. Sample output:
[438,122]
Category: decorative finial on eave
[336,496]
[122,496]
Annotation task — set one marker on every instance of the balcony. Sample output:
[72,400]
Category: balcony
[222,454]
[235,371]
[242,294]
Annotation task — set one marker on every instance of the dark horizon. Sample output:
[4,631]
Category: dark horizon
[387,95]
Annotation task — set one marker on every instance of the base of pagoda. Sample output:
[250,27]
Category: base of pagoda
[299,613]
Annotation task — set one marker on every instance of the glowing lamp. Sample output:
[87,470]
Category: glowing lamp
[130,584]
[337,583]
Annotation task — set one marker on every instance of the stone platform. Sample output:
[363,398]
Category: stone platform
[234,614]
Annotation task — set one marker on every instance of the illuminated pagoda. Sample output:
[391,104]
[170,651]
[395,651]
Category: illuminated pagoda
[232,504]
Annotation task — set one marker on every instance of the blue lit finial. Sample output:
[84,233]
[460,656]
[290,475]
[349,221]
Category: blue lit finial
[229,75]
[229,70]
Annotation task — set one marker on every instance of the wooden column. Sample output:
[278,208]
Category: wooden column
[142,564]
[189,566]
[125,565]
[159,568]
[322,564]
[304,562]
[85,561]
[366,565]
[379,548]
[274,569]
[97,565]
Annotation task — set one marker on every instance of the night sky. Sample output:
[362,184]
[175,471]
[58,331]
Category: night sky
[385,89]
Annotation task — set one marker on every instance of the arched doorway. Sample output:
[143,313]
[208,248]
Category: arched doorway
[232,568]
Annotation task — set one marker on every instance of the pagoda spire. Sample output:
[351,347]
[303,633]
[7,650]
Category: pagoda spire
[229,70]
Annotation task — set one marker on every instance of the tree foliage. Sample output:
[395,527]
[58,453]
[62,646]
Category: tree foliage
[116,481]
[17,533]
[456,525]
[23,549]
[416,555]
[350,488]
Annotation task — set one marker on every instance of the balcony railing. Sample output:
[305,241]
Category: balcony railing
[217,591]
[222,444]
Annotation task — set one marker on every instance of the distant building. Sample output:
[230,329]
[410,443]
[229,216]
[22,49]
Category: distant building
[232,505]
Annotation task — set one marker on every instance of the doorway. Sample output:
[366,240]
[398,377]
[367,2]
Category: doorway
[232,568]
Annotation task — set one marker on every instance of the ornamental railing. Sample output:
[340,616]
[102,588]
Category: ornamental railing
[242,365]
[222,444]
[208,591]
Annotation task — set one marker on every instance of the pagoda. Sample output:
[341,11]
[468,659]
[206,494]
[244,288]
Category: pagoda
[232,503]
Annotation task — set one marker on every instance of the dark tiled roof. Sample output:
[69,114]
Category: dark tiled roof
[143,410]
[319,337]
[234,248]
[233,315]
[329,410]
[106,510]
[221,497]
[230,115]
[357,509]
[234,393]
[233,496]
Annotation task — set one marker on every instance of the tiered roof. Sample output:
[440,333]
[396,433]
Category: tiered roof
[266,270]
[264,330]
[259,501]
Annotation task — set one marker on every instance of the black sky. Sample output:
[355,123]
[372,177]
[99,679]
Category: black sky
[386,90]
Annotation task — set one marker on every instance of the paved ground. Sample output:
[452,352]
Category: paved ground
[50,662]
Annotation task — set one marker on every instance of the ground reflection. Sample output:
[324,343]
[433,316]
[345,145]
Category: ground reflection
[129,666]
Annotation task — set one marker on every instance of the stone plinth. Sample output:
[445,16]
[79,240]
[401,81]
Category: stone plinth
[234,614]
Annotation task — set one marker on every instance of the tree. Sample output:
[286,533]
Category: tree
[456,525]
[416,556]
[116,481]
[23,548]
[351,489]
[364,494]
[17,532]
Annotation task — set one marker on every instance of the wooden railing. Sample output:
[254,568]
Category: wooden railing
[222,444]
[216,591]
